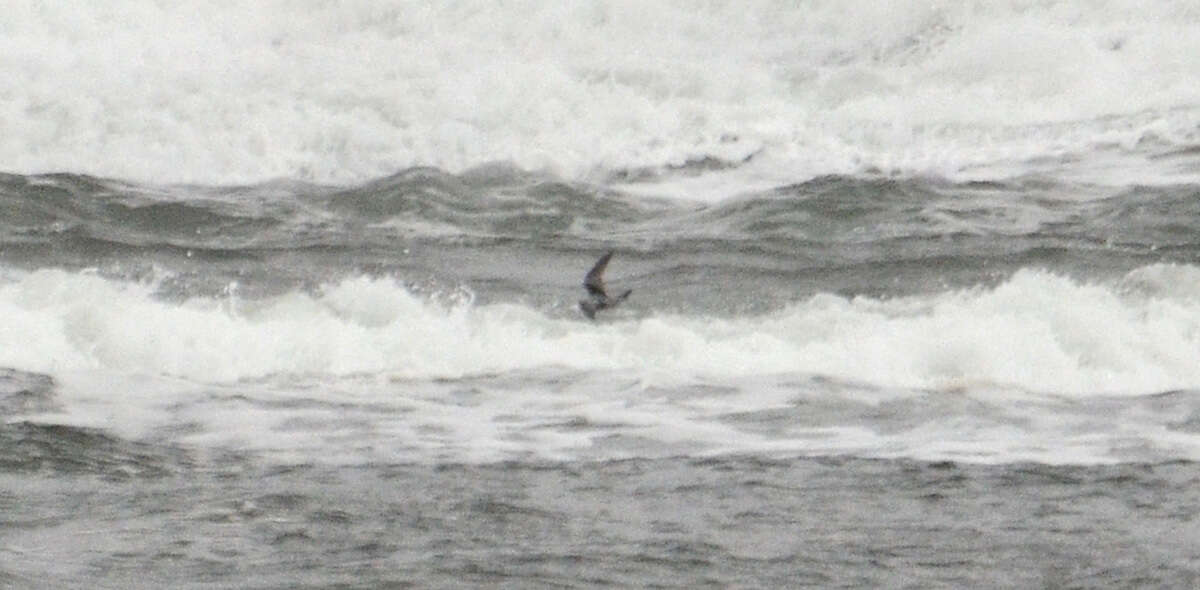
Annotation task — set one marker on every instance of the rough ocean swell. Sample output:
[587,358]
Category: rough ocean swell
[289,294]
[844,291]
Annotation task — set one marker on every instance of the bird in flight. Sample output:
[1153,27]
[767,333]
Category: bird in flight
[598,298]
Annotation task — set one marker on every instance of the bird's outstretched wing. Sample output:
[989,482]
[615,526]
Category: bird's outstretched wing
[594,281]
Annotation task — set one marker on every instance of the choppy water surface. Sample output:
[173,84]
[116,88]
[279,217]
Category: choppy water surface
[844,382]
[732,521]
[276,312]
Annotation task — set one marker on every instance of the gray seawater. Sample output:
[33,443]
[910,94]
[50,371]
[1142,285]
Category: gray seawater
[88,506]
[511,235]
[85,510]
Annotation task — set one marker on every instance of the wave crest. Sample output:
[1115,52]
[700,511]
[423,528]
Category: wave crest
[1037,331]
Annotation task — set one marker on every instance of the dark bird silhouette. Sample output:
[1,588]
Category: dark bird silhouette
[598,298]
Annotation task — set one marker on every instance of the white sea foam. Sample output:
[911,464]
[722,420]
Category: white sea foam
[1037,332]
[219,92]
[365,371]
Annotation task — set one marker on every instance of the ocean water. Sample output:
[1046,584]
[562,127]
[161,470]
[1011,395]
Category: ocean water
[288,294]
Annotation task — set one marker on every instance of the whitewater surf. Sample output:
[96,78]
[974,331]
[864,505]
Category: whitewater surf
[290,294]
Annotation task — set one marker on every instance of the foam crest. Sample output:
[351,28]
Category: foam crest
[1037,331]
[220,93]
